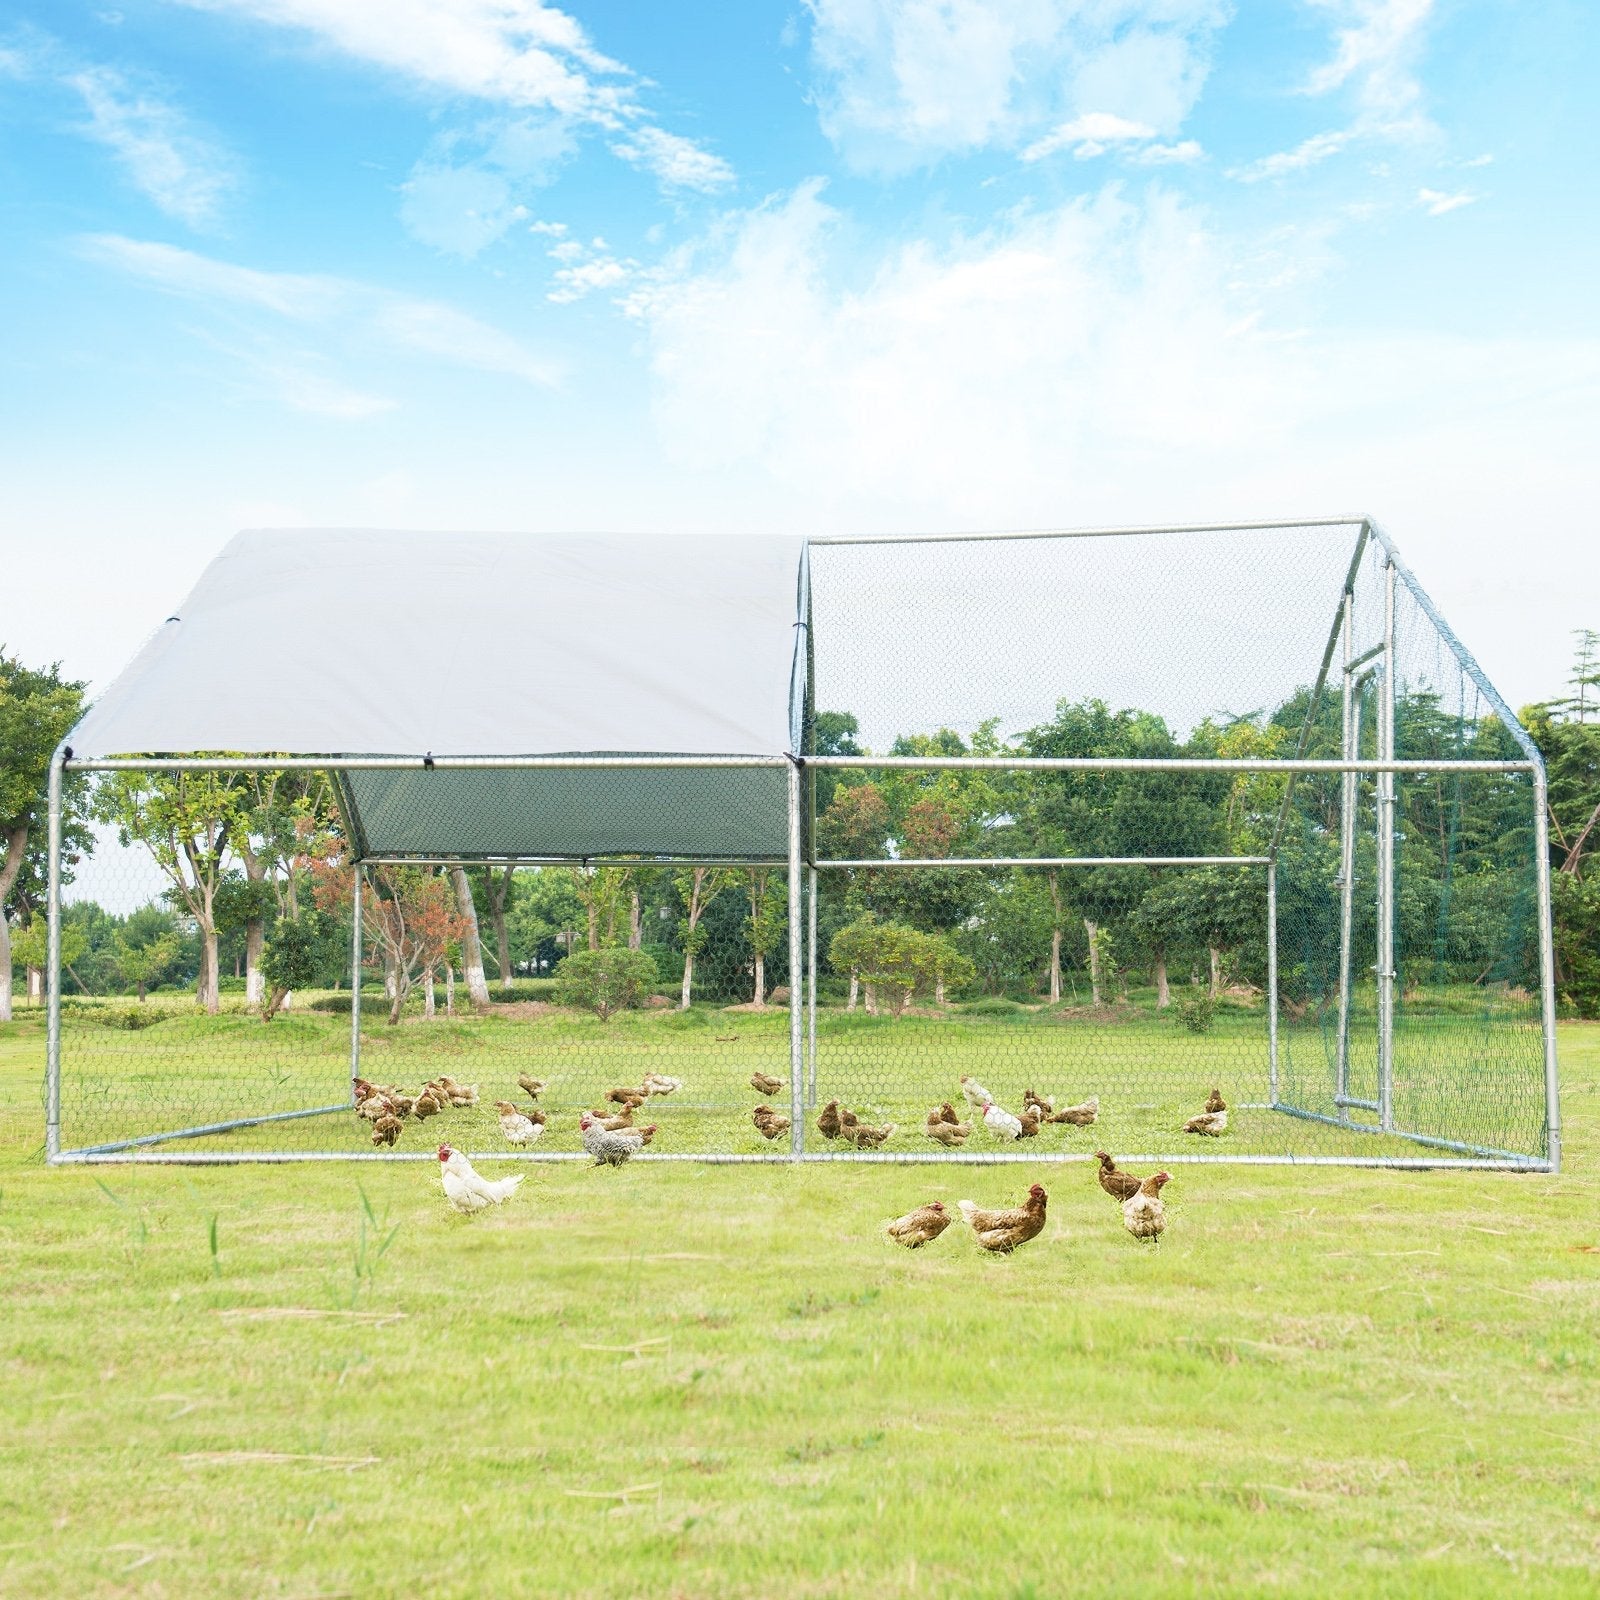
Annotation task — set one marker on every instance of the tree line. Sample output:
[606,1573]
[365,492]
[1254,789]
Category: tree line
[257,877]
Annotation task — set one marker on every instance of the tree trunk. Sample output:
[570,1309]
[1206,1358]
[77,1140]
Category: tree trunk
[397,1002]
[428,1007]
[635,921]
[208,987]
[1093,930]
[938,990]
[761,979]
[688,979]
[16,846]
[1055,938]
[855,988]
[1216,970]
[255,939]
[1163,992]
[594,927]
[390,984]
[449,989]
[35,986]
[274,1001]
[471,946]
[871,998]
[502,939]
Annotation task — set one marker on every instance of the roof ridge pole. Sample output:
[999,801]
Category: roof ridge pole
[797,1109]
[52,1026]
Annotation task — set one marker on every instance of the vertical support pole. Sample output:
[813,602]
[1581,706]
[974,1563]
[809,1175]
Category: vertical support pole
[1386,885]
[52,1026]
[811,991]
[1272,980]
[797,1108]
[1547,970]
[355,985]
[1349,794]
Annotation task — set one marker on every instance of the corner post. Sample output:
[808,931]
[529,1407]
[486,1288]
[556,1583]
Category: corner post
[1272,980]
[811,991]
[355,984]
[1547,969]
[1349,793]
[797,1109]
[52,1026]
[1386,884]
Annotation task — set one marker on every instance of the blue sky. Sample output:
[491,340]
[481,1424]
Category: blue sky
[846,265]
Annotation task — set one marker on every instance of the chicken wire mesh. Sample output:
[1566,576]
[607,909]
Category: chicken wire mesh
[1178,913]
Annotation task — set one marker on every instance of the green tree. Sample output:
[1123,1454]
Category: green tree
[697,888]
[29,949]
[188,821]
[292,957]
[606,981]
[146,947]
[36,710]
[764,927]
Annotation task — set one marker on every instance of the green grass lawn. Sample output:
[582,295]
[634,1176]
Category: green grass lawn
[686,1380]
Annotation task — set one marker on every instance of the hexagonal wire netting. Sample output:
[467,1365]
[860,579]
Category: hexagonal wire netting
[1109,825]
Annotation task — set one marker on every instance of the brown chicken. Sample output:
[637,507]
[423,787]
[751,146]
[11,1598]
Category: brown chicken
[947,1113]
[1211,1123]
[1080,1116]
[769,1123]
[425,1106]
[1030,1124]
[1144,1213]
[632,1098]
[386,1130]
[864,1137]
[534,1086]
[1003,1231]
[623,1119]
[1037,1102]
[374,1107]
[828,1123]
[762,1084]
[952,1135]
[460,1094]
[1215,1102]
[1116,1183]
[920,1227]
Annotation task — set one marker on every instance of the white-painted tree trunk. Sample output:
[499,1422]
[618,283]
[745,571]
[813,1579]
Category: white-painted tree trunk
[635,921]
[1055,939]
[429,1009]
[1216,971]
[760,997]
[1163,990]
[688,980]
[35,986]
[855,988]
[16,845]
[471,946]
[1093,930]
[449,989]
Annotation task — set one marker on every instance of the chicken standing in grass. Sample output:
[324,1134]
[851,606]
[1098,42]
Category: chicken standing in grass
[1029,1123]
[770,1124]
[828,1123]
[974,1092]
[465,1190]
[610,1148]
[623,1119]
[1215,1102]
[1003,1231]
[518,1127]
[632,1098]
[534,1086]
[1001,1123]
[763,1084]
[386,1130]
[1144,1213]
[920,1227]
[1118,1184]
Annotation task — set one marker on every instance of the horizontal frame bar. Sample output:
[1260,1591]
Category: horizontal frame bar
[573,861]
[1366,655]
[1094,533]
[1052,861]
[203,1131]
[1149,764]
[426,763]
[1487,1152]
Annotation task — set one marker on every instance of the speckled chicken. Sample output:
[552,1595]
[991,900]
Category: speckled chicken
[611,1148]
[1215,1102]
[386,1130]
[920,1227]
[768,1122]
[1003,1231]
[764,1084]
[1144,1213]
[1116,1183]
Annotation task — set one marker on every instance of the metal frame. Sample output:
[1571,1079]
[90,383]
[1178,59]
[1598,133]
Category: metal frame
[803,882]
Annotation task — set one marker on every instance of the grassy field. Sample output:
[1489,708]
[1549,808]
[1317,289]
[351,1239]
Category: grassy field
[692,1381]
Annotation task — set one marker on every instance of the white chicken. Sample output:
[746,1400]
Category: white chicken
[465,1190]
[518,1127]
[975,1093]
[1144,1213]
[1001,1123]
[660,1083]
[610,1148]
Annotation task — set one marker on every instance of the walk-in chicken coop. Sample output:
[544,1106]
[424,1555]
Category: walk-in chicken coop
[1204,843]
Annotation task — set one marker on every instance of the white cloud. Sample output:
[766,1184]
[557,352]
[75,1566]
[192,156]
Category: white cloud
[901,83]
[521,54]
[377,318]
[470,187]
[1436,203]
[1089,135]
[1375,54]
[1308,153]
[574,283]
[1161,155]
[677,163]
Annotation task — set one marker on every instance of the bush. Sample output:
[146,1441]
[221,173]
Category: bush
[992,1006]
[131,1018]
[605,981]
[1195,1009]
[523,989]
[336,1005]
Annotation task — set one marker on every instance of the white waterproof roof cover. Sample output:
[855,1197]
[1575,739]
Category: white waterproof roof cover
[373,643]
[366,643]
